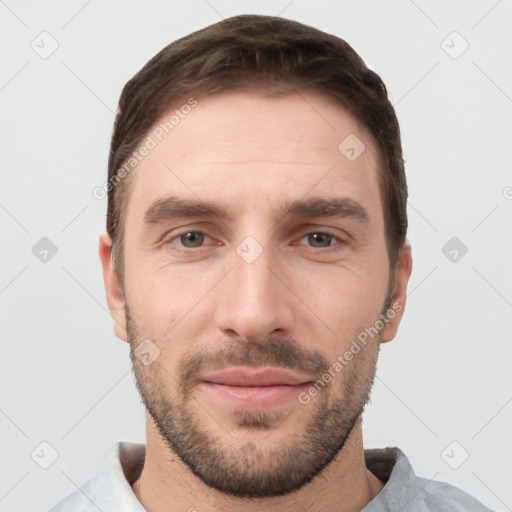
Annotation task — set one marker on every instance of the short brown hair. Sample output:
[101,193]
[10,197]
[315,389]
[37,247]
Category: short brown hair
[273,56]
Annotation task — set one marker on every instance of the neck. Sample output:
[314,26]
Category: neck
[344,485]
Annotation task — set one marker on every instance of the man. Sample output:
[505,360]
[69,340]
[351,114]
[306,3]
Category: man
[255,259]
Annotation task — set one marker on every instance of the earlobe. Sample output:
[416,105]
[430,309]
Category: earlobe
[396,307]
[113,288]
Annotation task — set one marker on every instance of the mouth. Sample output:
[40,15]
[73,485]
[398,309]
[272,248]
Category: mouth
[261,388]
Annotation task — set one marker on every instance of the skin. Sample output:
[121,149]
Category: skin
[250,155]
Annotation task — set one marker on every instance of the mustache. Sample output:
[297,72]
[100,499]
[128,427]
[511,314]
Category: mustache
[279,352]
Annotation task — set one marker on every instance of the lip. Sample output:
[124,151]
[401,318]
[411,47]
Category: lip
[260,377]
[262,388]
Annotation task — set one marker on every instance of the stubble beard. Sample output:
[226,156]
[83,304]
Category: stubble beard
[244,469]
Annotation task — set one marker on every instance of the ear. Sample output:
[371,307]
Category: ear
[396,307]
[113,290]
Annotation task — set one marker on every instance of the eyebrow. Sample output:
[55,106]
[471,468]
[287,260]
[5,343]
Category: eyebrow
[169,207]
[333,207]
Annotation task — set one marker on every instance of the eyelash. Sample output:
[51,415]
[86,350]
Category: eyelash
[336,246]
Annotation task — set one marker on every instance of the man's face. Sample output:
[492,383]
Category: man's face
[252,298]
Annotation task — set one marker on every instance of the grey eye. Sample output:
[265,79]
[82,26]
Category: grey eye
[192,239]
[320,239]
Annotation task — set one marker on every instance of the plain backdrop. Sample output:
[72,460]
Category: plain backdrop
[443,391]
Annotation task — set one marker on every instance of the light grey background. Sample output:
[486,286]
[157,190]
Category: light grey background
[65,378]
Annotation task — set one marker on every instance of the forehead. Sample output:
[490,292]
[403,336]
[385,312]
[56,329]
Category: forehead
[241,147]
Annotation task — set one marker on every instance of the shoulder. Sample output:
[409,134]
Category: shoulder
[82,500]
[109,489]
[407,492]
[435,495]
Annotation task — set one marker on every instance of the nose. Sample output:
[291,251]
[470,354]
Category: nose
[253,302]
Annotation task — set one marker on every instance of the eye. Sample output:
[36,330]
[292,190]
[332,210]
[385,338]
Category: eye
[188,240]
[319,239]
[191,239]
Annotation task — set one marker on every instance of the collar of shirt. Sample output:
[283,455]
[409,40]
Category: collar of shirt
[109,490]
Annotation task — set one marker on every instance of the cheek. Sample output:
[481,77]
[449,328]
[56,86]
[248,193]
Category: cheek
[172,311]
[164,295]
[343,303]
